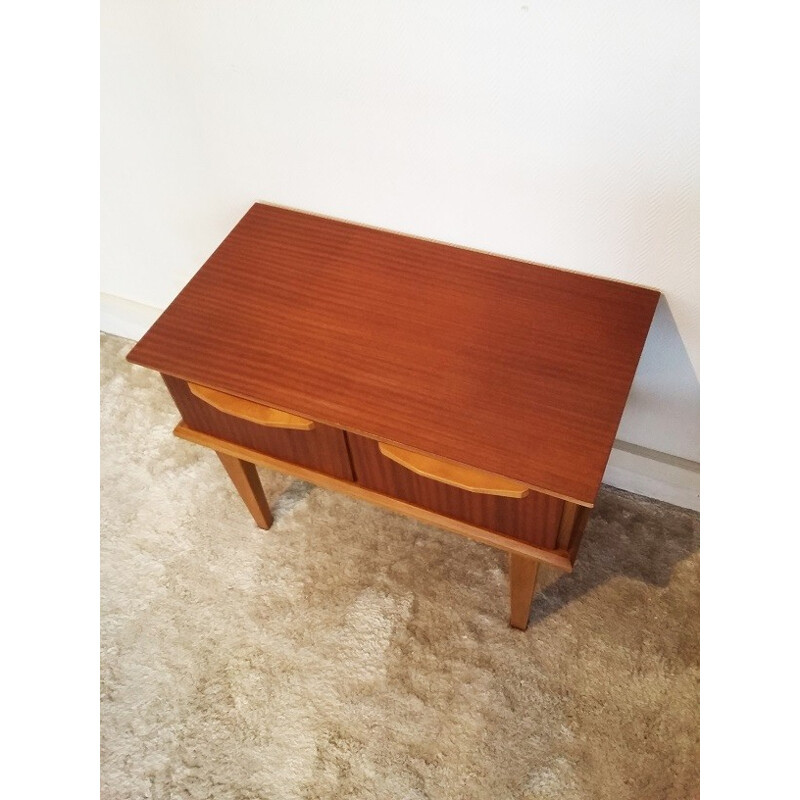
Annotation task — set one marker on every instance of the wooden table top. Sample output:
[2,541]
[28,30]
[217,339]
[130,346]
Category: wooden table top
[508,366]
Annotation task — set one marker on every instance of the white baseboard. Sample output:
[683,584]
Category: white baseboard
[630,467]
[654,474]
[125,318]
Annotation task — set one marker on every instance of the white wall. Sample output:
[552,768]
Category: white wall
[559,132]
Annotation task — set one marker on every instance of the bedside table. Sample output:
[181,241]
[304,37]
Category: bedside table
[477,393]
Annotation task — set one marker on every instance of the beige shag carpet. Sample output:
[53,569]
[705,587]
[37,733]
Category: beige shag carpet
[352,653]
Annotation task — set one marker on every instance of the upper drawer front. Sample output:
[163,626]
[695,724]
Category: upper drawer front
[532,517]
[272,432]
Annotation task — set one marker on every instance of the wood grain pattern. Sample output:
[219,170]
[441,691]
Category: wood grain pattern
[577,532]
[322,449]
[519,368]
[245,478]
[534,518]
[522,574]
[467,478]
[556,558]
[252,412]
[566,526]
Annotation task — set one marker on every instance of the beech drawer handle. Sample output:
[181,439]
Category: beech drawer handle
[453,474]
[250,411]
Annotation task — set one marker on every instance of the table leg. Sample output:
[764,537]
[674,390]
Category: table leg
[245,479]
[522,578]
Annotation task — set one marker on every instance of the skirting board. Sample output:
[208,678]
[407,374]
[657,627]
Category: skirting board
[125,318]
[630,467]
[654,474]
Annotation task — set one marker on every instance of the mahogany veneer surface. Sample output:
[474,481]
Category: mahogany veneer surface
[323,449]
[508,366]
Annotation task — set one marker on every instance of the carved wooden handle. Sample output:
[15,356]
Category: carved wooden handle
[453,474]
[252,412]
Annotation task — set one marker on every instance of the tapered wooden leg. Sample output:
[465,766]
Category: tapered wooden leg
[245,479]
[522,578]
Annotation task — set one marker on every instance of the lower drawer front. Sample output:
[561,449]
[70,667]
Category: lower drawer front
[322,448]
[534,518]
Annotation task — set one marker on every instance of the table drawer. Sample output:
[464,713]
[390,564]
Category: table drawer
[487,501]
[275,433]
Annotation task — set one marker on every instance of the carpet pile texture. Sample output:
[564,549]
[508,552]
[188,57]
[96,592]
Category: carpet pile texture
[349,652]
